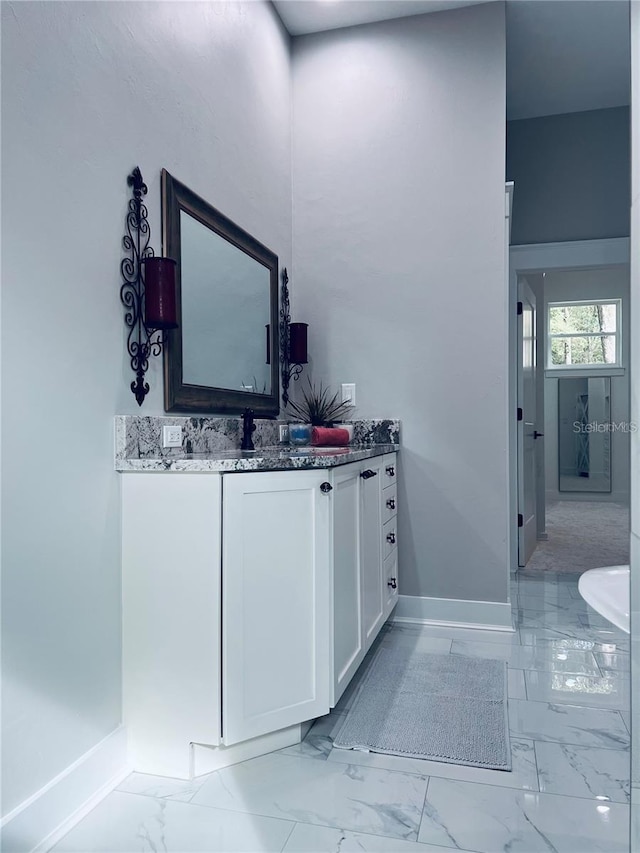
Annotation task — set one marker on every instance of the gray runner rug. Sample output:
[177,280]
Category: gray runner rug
[447,708]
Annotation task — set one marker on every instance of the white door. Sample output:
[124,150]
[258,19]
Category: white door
[275,601]
[348,646]
[527,433]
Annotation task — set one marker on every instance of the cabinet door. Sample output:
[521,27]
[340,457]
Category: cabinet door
[348,646]
[373,595]
[275,616]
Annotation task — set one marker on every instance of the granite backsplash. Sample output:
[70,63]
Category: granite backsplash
[140,437]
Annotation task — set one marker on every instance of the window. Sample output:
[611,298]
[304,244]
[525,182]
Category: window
[583,334]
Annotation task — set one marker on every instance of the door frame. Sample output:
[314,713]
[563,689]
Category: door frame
[539,258]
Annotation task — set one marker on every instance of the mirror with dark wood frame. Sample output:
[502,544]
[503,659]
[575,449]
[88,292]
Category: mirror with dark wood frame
[216,361]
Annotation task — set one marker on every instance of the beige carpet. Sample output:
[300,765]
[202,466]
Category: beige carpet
[582,535]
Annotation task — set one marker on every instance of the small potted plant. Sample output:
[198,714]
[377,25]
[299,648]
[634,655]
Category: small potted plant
[318,407]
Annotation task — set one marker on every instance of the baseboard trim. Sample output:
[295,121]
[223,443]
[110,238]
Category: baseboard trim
[44,818]
[206,759]
[454,612]
[618,497]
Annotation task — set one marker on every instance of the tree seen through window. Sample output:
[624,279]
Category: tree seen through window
[583,333]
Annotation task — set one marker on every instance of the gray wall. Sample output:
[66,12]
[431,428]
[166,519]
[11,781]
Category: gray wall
[89,91]
[399,269]
[572,176]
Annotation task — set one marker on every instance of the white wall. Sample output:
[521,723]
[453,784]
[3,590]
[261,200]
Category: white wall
[567,285]
[399,269]
[89,91]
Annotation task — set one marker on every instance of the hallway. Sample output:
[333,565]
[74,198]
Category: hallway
[568,791]
[582,535]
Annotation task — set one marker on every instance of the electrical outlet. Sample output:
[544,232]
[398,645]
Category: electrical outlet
[349,393]
[284,433]
[172,436]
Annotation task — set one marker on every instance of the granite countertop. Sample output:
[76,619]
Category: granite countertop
[279,458]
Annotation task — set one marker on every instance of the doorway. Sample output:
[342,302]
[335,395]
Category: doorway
[586,271]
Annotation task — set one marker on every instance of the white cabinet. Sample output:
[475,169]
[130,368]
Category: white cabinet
[249,601]
[276,606]
[364,582]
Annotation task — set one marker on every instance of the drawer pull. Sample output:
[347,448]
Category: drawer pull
[392,583]
[391,504]
[391,471]
[391,537]
[325,487]
[368,474]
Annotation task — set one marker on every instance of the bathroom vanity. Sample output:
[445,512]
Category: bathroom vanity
[253,586]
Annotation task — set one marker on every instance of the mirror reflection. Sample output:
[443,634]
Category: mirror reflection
[584,434]
[225,309]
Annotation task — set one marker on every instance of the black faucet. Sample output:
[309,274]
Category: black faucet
[248,427]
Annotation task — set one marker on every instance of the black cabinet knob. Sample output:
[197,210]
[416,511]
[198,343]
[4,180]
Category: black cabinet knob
[325,487]
[391,537]
[391,471]
[391,504]
[392,583]
[368,474]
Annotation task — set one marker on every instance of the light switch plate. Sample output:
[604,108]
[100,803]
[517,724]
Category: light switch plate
[172,436]
[283,433]
[349,393]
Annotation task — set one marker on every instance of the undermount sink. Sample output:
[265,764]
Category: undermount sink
[607,591]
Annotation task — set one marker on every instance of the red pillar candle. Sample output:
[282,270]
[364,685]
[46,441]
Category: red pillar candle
[160,293]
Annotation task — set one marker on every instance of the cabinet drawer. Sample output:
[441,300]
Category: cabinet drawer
[389,470]
[390,583]
[389,503]
[389,538]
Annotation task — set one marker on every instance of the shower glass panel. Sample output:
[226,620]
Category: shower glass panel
[584,434]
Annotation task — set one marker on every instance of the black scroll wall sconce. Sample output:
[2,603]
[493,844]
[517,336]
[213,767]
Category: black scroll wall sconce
[148,291]
[293,342]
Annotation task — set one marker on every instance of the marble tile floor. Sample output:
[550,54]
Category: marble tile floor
[568,791]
